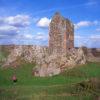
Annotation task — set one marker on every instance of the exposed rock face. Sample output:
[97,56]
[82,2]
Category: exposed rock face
[13,55]
[55,64]
[59,56]
[47,64]
[61,34]
[28,53]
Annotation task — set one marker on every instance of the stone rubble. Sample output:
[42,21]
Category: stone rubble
[47,64]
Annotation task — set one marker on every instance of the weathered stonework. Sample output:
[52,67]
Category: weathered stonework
[61,34]
[59,56]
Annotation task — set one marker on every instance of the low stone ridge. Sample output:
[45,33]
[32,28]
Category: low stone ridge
[55,64]
[46,64]
[59,56]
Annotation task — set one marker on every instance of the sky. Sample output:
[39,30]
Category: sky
[27,21]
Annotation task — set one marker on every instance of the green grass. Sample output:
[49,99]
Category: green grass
[59,87]
[87,71]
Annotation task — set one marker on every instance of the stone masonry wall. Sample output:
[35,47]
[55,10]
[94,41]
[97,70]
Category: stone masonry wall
[61,34]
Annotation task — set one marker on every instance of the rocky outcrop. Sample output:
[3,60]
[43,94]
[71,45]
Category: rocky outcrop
[15,53]
[30,54]
[47,64]
[55,64]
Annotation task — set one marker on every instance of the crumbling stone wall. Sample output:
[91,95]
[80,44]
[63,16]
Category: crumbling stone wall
[61,34]
[57,57]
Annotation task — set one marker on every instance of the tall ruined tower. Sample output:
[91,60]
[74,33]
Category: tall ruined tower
[61,34]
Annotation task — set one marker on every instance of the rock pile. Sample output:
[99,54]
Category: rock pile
[55,64]
[47,64]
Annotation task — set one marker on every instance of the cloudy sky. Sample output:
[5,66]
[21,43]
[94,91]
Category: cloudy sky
[27,21]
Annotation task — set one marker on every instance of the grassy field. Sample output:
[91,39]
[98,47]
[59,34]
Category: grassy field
[61,87]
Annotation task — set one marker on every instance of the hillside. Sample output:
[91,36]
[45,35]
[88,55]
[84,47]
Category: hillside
[33,88]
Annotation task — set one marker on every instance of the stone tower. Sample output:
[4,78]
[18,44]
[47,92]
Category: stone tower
[61,34]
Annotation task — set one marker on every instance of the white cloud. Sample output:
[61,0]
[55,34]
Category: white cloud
[37,39]
[43,22]
[95,37]
[11,25]
[78,37]
[98,29]
[89,41]
[85,24]
[25,36]
[40,33]
[18,20]
[7,27]
[41,36]
[7,30]
[95,40]
[29,36]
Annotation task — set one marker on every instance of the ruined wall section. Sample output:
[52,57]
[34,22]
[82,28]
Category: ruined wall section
[61,34]
[68,37]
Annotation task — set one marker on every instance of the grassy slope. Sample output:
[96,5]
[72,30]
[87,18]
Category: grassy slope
[60,87]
